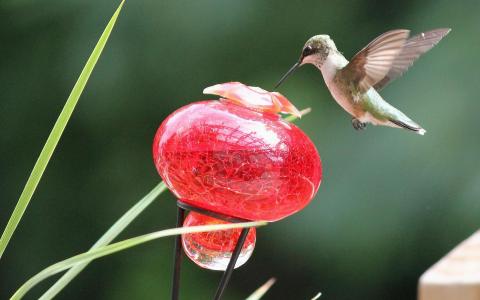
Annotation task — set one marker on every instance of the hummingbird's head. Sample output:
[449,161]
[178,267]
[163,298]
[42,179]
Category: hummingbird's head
[315,51]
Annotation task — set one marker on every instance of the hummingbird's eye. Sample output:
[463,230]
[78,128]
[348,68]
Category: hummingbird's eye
[307,51]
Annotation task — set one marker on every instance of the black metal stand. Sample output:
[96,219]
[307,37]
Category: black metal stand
[178,256]
[231,264]
[182,206]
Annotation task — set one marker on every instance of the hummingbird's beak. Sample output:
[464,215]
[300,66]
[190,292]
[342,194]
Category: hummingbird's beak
[292,69]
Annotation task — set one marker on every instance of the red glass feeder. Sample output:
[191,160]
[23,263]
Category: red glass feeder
[236,159]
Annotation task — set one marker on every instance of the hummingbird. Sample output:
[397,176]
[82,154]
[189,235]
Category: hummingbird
[355,85]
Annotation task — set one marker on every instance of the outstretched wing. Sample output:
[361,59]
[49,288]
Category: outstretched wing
[413,48]
[373,63]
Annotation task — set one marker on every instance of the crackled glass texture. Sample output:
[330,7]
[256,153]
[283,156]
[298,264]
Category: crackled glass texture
[229,159]
[213,250]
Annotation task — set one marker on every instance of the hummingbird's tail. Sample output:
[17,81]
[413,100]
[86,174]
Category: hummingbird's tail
[412,126]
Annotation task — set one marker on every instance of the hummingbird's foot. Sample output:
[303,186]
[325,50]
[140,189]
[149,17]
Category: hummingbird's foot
[358,125]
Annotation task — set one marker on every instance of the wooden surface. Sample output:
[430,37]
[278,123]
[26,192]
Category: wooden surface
[456,276]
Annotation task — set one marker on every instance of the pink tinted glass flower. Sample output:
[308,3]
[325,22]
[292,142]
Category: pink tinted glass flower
[253,97]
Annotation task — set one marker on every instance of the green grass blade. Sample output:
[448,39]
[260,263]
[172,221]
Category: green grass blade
[262,290]
[107,237]
[291,118]
[119,246]
[55,135]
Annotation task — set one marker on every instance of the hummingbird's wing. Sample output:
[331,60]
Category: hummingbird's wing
[413,48]
[372,63]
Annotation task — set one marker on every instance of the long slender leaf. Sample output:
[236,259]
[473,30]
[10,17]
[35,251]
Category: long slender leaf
[106,238]
[119,246]
[55,135]
[258,294]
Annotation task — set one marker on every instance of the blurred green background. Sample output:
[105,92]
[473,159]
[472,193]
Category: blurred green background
[391,202]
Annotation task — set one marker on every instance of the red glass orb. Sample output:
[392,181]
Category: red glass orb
[230,159]
[213,250]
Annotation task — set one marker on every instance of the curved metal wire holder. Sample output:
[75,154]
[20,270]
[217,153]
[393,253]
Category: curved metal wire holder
[181,208]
